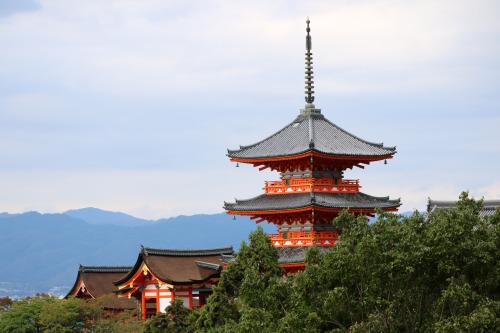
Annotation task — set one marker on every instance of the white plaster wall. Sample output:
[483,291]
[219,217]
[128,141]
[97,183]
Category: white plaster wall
[164,302]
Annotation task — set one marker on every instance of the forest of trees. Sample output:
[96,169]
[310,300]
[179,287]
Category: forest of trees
[422,273]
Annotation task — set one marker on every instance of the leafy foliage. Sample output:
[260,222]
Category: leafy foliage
[44,313]
[406,274]
[24,315]
[176,319]
[63,316]
[250,291]
[423,273]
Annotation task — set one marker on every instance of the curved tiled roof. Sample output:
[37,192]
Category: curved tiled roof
[289,254]
[179,266]
[298,200]
[489,206]
[105,269]
[208,265]
[98,281]
[311,132]
[296,254]
[186,252]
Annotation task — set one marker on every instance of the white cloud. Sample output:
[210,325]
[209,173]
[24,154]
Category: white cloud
[164,85]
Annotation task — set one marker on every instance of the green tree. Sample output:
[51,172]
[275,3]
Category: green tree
[44,313]
[176,319]
[404,274]
[24,315]
[63,316]
[101,319]
[250,292]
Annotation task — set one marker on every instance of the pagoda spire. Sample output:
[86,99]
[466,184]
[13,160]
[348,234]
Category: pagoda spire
[309,71]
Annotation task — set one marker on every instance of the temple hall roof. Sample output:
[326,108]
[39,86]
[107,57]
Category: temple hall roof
[179,266]
[489,206]
[299,200]
[296,254]
[98,281]
[311,132]
[288,254]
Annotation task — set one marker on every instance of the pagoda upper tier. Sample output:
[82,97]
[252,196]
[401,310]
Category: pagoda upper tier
[311,142]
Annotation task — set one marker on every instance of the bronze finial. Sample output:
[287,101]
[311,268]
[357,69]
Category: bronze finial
[308,37]
[309,70]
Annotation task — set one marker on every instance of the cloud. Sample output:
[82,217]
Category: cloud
[97,89]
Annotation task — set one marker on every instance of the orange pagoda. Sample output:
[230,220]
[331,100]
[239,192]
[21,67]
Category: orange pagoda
[311,154]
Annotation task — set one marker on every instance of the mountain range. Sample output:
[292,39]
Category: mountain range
[42,252]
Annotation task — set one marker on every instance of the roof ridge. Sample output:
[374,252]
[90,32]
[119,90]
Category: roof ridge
[268,137]
[298,119]
[379,145]
[439,204]
[209,265]
[188,252]
[104,269]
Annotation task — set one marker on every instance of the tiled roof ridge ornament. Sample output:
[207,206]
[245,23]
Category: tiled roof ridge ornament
[143,250]
[309,107]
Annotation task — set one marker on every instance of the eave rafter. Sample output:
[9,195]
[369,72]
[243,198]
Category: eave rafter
[311,160]
[311,214]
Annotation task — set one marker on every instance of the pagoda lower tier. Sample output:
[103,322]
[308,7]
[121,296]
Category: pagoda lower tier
[310,210]
[305,219]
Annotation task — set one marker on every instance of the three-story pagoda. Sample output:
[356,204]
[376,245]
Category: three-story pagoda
[311,154]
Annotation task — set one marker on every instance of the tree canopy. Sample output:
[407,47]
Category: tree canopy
[47,314]
[436,272]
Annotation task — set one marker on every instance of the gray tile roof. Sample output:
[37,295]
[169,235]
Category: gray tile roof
[187,252]
[311,132]
[105,269]
[489,206]
[177,265]
[209,265]
[296,254]
[298,200]
[288,254]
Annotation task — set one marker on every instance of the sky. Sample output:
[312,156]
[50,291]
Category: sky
[131,105]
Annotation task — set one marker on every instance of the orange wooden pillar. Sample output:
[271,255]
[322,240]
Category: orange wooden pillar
[143,304]
[158,299]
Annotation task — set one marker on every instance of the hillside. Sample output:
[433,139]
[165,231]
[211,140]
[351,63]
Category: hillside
[42,252]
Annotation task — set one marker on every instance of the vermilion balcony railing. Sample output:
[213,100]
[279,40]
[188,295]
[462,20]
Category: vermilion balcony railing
[304,238]
[312,185]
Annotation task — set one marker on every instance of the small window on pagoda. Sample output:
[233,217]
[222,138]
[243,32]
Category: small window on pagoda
[295,125]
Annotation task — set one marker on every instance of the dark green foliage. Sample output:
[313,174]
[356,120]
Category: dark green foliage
[406,274]
[177,319]
[423,273]
[435,273]
[250,292]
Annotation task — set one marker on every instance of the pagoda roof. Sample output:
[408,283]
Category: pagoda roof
[176,266]
[98,281]
[296,254]
[288,254]
[270,203]
[311,132]
[489,206]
